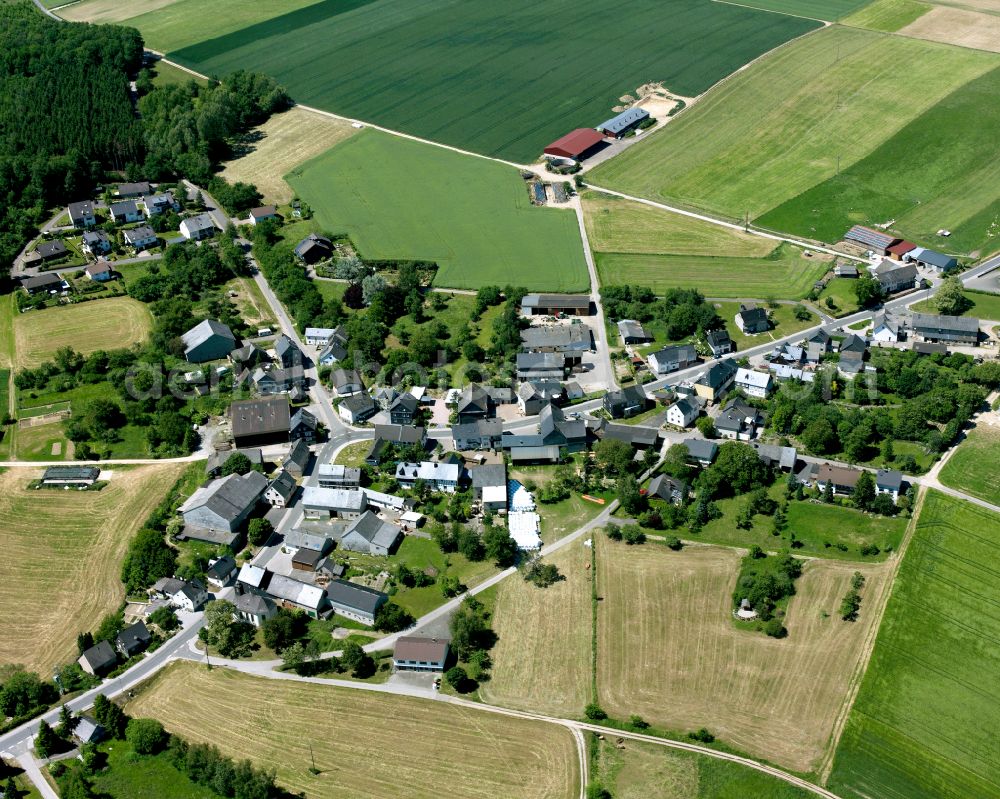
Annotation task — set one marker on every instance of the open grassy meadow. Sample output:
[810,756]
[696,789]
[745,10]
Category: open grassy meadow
[169,75]
[365,744]
[781,126]
[922,177]
[503,85]
[668,650]
[115,323]
[982,305]
[968,468]
[281,144]
[644,771]
[542,660]
[923,725]
[62,554]
[398,198]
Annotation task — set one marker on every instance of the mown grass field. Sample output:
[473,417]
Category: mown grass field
[969,469]
[888,15]
[643,771]
[503,85]
[281,144]
[830,10]
[381,745]
[62,555]
[399,198]
[924,722]
[957,26]
[668,650]
[982,305]
[782,126]
[115,323]
[542,660]
[922,177]
[169,24]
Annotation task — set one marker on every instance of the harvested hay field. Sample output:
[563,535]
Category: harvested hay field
[957,26]
[286,140]
[366,745]
[62,553]
[115,323]
[669,650]
[542,661]
[111,11]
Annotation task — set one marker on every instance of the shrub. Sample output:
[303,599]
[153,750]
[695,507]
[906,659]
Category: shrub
[775,628]
[702,735]
[146,736]
[594,712]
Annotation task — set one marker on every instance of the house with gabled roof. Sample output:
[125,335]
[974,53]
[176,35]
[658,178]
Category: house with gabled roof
[752,319]
[198,228]
[133,639]
[738,421]
[98,659]
[357,602]
[280,490]
[224,504]
[626,402]
[632,332]
[667,488]
[81,214]
[719,342]
[439,476]
[371,535]
[684,412]
[753,383]
[712,385]
[208,340]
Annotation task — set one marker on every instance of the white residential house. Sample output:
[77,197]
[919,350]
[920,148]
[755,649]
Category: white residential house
[753,383]
[439,476]
[140,237]
[196,228]
[319,336]
[683,412]
[886,329]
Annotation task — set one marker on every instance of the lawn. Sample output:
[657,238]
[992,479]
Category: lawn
[841,289]
[114,323]
[353,454]
[783,323]
[420,553]
[831,10]
[398,198]
[829,531]
[888,15]
[668,650]
[279,145]
[920,177]
[169,75]
[132,776]
[983,305]
[385,746]
[641,770]
[923,725]
[972,467]
[542,660]
[790,119]
[503,85]
[250,302]
[62,554]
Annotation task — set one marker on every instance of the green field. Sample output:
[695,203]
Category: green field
[924,723]
[398,198]
[841,290]
[643,245]
[781,126]
[924,177]
[645,770]
[460,73]
[888,15]
[831,10]
[970,468]
[982,305]
[132,776]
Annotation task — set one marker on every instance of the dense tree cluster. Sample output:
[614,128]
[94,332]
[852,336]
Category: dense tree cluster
[190,271]
[765,580]
[188,127]
[925,399]
[683,312]
[65,114]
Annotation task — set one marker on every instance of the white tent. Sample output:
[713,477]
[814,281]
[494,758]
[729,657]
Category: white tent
[520,498]
[524,527]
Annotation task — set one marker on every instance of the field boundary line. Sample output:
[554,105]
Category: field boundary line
[772,11]
[868,647]
[748,229]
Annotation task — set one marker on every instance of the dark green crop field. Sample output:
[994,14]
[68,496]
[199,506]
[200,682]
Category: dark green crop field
[925,720]
[942,170]
[504,84]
